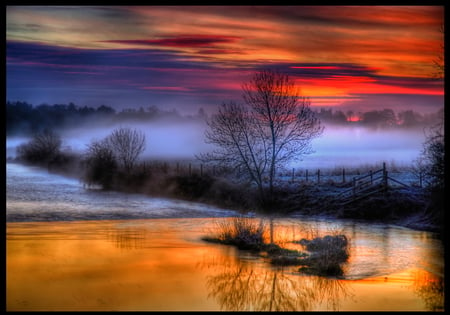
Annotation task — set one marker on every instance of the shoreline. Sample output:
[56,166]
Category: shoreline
[417,220]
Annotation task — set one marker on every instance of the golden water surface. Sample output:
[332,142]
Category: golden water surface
[162,264]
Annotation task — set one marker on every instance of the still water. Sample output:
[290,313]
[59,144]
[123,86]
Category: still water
[73,249]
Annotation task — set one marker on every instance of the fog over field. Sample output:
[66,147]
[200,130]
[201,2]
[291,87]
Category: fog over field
[347,146]
[337,146]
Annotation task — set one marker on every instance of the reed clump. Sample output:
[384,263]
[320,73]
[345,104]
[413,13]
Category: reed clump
[242,232]
[322,256]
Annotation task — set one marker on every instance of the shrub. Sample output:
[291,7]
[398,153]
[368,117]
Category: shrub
[44,147]
[100,164]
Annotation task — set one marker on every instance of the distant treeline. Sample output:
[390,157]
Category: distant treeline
[385,118]
[23,118]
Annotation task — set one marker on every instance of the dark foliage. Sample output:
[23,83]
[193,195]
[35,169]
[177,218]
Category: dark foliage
[386,206]
[433,155]
[100,165]
[192,186]
[25,119]
[43,148]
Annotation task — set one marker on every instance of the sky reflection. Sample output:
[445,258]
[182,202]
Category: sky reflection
[161,264]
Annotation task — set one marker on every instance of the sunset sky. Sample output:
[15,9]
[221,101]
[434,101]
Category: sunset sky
[187,57]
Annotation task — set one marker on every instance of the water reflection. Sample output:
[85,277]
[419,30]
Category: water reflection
[239,285]
[163,265]
[430,288]
[127,237]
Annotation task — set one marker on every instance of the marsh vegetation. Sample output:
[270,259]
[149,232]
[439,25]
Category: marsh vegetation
[322,256]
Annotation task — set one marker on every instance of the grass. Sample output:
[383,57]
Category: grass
[244,233]
[323,256]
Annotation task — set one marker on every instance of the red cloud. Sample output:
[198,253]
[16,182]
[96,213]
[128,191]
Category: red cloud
[167,88]
[220,51]
[194,40]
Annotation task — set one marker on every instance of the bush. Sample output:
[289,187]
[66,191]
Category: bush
[43,148]
[101,164]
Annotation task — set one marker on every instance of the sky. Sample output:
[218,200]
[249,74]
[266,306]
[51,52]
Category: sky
[357,58]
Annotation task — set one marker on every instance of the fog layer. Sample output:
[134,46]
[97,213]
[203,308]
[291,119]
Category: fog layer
[350,146]
[337,146]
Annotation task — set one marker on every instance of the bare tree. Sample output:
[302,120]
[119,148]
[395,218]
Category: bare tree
[431,162]
[274,126]
[127,144]
[433,155]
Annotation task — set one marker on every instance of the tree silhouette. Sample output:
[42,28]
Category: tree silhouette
[126,144]
[274,127]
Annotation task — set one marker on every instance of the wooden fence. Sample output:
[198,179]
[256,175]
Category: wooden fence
[367,185]
[336,176]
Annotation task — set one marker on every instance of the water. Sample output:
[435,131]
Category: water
[34,195]
[74,249]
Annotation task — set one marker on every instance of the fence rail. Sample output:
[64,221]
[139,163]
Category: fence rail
[344,176]
[368,185]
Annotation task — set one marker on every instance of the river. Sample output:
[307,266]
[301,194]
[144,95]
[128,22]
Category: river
[70,248]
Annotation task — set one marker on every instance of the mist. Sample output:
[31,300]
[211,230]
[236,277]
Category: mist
[355,145]
[164,139]
[183,139]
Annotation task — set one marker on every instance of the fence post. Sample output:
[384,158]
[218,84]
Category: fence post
[178,168]
[318,176]
[201,169]
[306,175]
[354,186]
[343,175]
[190,169]
[293,174]
[371,177]
[386,181]
[420,179]
[385,176]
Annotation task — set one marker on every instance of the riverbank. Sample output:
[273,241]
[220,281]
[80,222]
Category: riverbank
[409,207]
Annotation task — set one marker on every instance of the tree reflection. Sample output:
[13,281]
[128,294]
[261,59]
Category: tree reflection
[127,238]
[430,288]
[240,285]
